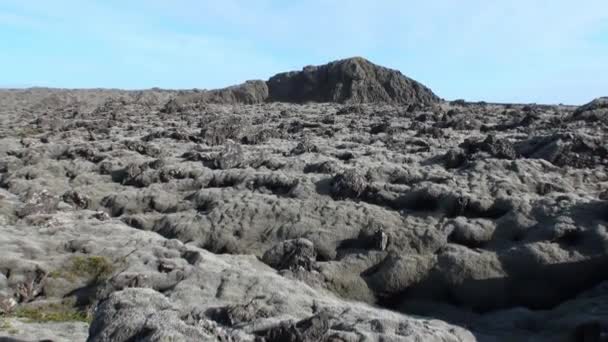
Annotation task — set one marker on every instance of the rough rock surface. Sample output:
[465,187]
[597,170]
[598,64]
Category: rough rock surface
[320,221]
[596,110]
[351,81]
[250,92]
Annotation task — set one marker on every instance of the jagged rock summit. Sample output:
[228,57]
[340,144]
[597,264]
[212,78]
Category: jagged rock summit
[596,104]
[349,81]
[595,111]
[353,80]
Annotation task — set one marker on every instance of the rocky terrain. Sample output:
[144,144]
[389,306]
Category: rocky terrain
[344,202]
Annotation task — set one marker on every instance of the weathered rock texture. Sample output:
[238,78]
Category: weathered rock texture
[311,222]
[354,80]
[351,81]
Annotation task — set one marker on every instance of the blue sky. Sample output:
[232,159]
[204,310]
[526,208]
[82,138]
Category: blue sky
[545,51]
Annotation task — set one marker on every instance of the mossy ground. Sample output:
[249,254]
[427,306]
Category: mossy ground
[55,312]
[27,132]
[6,326]
[91,267]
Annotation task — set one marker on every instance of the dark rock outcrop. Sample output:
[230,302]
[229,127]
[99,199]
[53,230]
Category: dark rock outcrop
[497,148]
[311,329]
[353,80]
[454,158]
[291,254]
[250,92]
[348,184]
[575,150]
[599,103]
[596,110]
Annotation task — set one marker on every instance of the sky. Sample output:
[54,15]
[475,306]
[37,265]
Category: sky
[527,51]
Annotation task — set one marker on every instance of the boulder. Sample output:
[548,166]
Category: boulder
[348,184]
[496,147]
[291,254]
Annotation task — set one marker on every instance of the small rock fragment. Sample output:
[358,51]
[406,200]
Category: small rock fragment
[291,254]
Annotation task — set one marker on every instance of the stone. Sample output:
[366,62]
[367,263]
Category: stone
[291,254]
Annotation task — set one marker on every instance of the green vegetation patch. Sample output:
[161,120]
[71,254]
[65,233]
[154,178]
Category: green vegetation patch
[51,313]
[26,132]
[92,267]
[8,327]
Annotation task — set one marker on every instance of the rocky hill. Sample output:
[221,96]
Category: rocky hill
[352,81]
[349,81]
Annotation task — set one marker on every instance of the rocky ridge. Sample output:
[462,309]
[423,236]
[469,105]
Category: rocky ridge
[349,81]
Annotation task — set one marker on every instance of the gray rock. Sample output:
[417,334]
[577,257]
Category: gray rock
[504,236]
[454,159]
[349,184]
[231,157]
[291,254]
[596,110]
[353,80]
[471,233]
[137,314]
[305,146]
[218,131]
[497,148]
[312,329]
